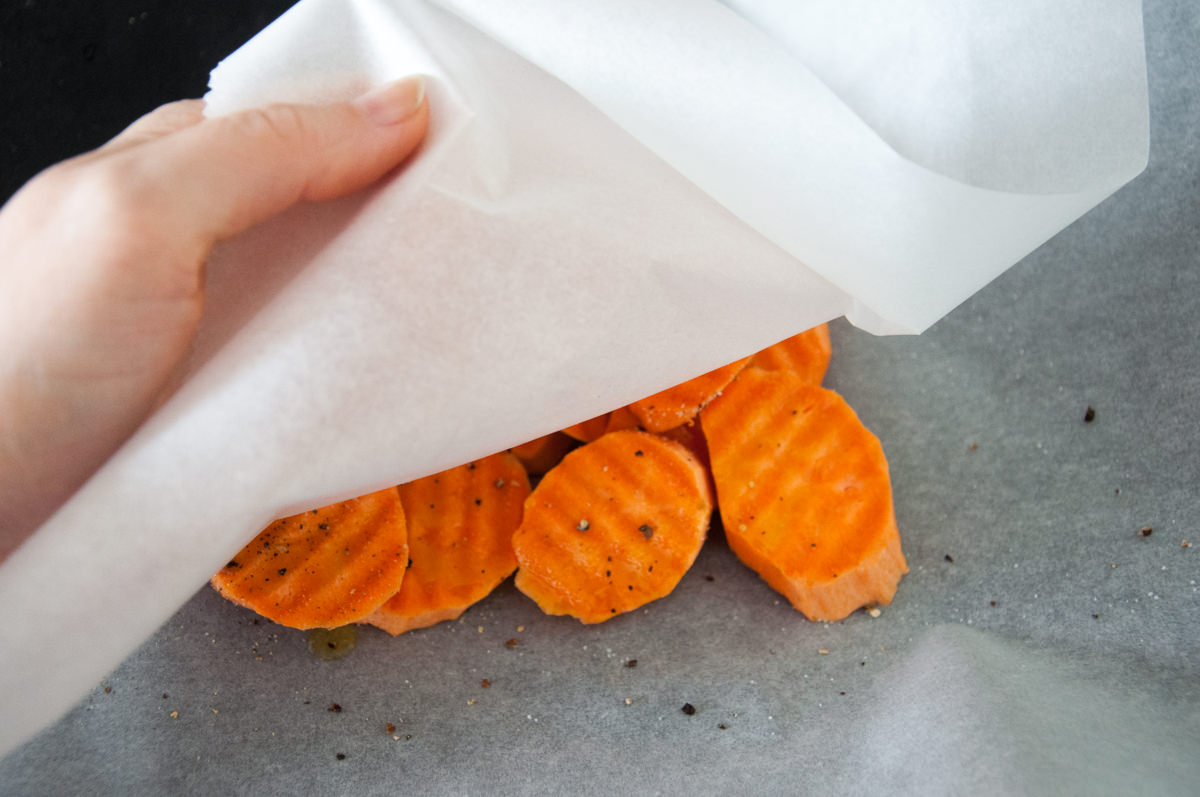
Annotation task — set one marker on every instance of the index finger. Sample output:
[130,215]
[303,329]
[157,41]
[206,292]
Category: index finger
[224,175]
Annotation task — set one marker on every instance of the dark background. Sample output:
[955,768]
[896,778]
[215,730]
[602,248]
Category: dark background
[73,73]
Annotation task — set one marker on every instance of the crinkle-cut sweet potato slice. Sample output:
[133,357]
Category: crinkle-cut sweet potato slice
[804,493]
[616,525]
[691,437]
[543,453]
[688,434]
[807,355]
[589,430]
[622,418]
[677,405]
[460,527]
[323,568]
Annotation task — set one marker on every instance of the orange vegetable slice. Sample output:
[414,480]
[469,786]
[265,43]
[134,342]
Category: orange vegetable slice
[614,526]
[806,355]
[804,493]
[622,418]
[677,405]
[323,568]
[691,437]
[589,430]
[460,527]
[542,454]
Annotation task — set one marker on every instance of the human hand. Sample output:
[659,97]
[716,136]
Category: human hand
[102,267]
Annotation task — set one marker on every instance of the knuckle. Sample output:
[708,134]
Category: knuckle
[110,189]
[100,197]
[48,188]
[107,201]
[279,124]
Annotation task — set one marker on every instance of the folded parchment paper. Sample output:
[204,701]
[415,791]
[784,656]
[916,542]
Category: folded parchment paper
[613,197]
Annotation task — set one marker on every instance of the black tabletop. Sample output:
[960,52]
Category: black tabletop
[73,73]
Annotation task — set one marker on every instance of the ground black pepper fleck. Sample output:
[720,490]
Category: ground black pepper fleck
[949,558]
[335,708]
[688,709]
[638,453]
[1089,415]
[341,756]
[631,663]
[722,725]
[647,530]
[709,578]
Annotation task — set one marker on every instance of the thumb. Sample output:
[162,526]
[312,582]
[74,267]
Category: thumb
[217,178]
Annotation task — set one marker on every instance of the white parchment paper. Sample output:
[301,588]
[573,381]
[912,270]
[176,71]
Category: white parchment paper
[613,197]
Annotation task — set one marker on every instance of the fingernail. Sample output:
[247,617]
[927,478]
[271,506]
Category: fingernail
[393,103]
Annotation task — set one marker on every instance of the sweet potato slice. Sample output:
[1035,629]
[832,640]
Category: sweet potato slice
[543,453]
[806,355]
[804,493]
[460,527]
[589,430]
[690,437]
[323,568]
[677,405]
[613,527]
[622,418]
